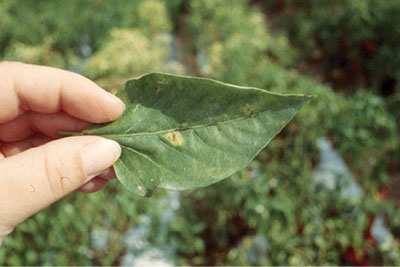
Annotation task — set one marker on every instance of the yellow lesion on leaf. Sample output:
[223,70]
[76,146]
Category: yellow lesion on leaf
[175,138]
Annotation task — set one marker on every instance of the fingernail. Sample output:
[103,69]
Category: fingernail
[98,156]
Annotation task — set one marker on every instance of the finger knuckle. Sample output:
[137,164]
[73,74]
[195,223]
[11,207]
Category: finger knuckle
[63,176]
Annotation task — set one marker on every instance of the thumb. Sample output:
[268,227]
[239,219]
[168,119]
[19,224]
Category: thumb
[35,178]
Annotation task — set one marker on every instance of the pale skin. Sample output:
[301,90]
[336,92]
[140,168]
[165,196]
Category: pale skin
[37,166]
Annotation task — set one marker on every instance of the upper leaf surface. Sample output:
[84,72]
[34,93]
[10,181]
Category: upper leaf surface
[181,133]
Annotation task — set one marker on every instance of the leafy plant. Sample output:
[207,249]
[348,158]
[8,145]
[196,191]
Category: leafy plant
[182,133]
[353,39]
[234,45]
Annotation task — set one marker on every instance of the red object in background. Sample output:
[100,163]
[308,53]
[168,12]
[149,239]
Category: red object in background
[383,193]
[371,46]
[368,233]
[299,228]
[356,260]
[361,257]
[239,223]
[280,4]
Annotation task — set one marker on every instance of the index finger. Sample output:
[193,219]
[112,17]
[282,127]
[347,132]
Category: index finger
[25,87]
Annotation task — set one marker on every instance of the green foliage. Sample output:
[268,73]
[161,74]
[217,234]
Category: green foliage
[54,20]
[110,68]
[356,37]
[138,30]
[235,40]
[152,17]
[143,48]
[40,54]
[92,18]
[177,132]
[370,136]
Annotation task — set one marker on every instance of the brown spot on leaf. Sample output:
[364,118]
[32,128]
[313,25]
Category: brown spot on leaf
[183,126]
[248,110]
[158,89]
[175,138]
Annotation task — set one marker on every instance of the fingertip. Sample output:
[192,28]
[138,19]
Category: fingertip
[114,107]
[84,99]
[49,90]
[98,156]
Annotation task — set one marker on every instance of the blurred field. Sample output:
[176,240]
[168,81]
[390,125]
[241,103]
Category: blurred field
[325,190]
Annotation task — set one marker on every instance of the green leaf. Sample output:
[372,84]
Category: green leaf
[182,133]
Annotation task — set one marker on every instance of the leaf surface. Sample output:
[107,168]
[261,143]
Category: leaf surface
[182,133]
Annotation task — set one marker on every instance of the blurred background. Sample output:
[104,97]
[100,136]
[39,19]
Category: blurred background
[324,192]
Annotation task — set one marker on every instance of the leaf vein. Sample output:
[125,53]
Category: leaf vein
[190,127]
[149,159]
[126,167]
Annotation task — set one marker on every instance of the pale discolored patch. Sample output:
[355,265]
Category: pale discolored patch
[175,138]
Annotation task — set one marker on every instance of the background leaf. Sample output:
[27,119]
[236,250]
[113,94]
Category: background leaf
[182,133]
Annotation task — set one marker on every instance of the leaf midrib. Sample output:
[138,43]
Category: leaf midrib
[211,124]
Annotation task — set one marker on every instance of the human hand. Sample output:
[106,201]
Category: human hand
[36,167]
